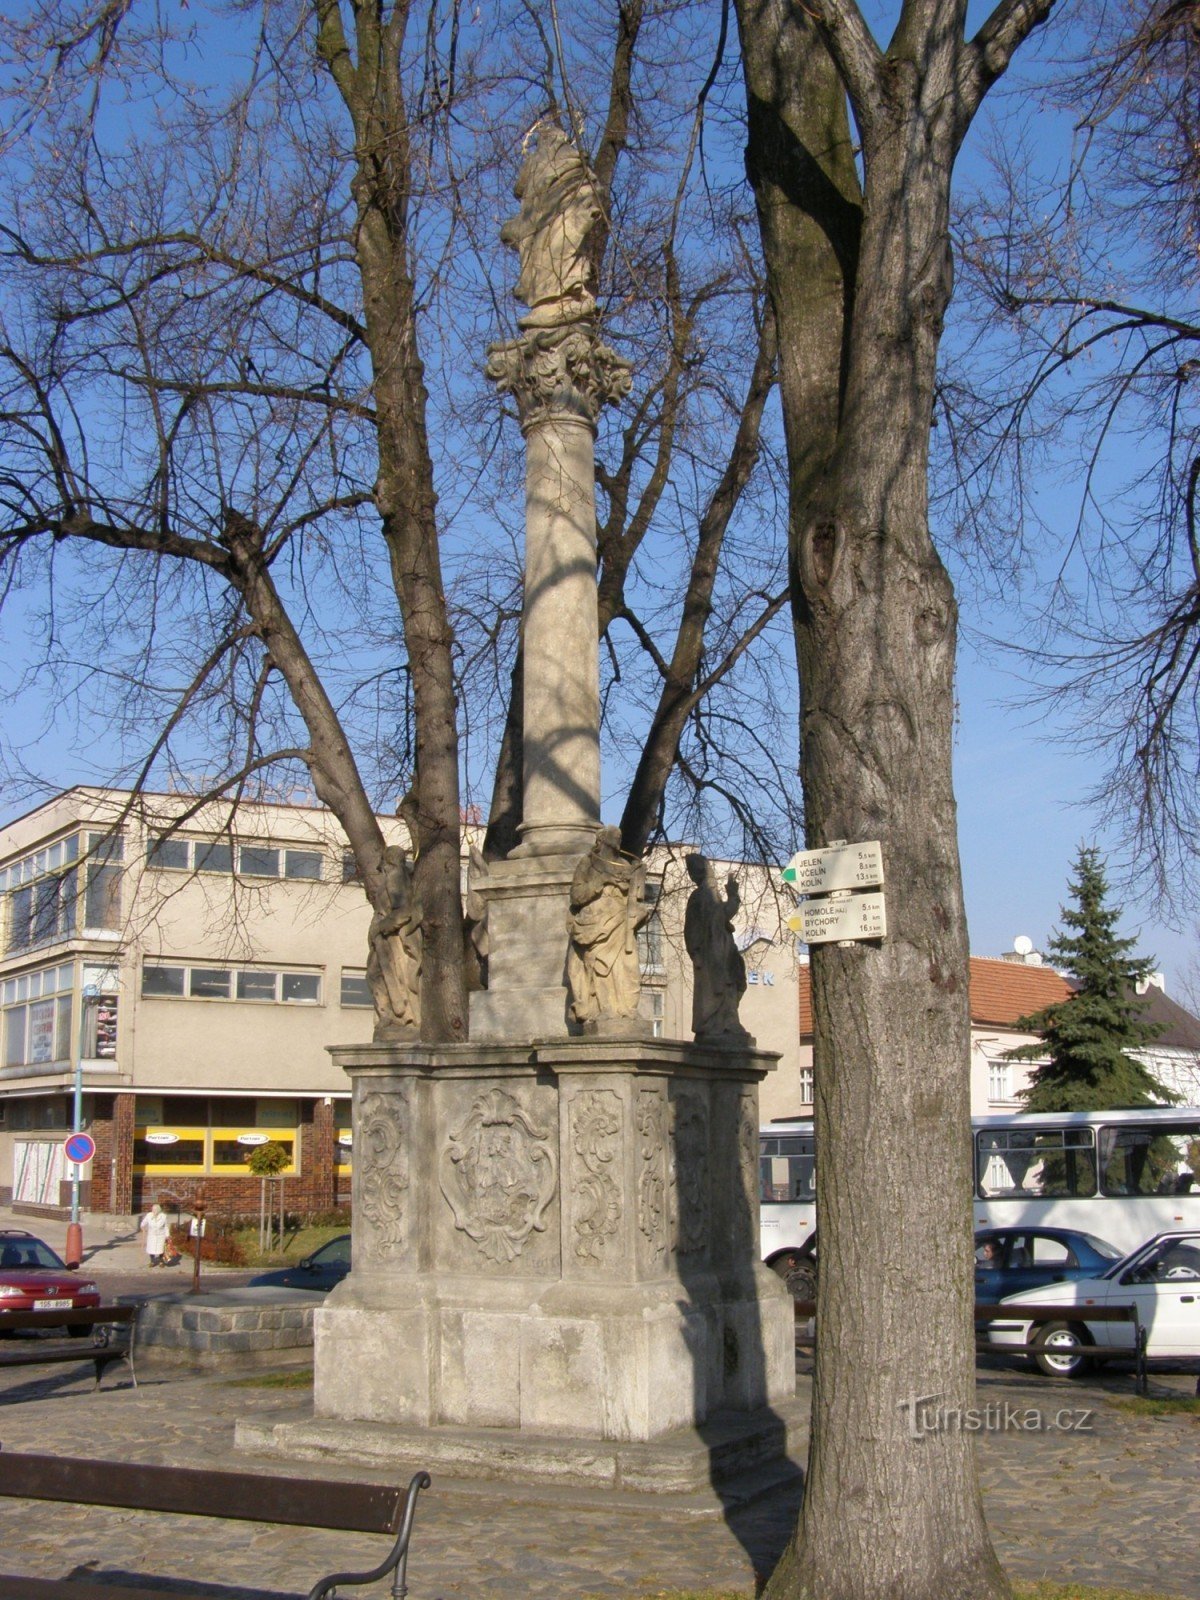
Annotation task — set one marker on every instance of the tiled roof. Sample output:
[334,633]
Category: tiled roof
[1001,992]
[1180,1029]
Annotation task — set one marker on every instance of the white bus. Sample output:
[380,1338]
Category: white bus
[1121,1175]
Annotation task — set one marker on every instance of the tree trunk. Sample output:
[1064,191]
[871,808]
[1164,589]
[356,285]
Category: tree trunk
[860,297]
[373,93]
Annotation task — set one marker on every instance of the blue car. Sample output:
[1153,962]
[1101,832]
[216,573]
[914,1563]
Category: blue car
[1009,1260]
[321,1271]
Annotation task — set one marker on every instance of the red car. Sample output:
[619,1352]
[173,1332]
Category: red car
[33,1278]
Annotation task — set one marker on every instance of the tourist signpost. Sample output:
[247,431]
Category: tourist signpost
[845,902]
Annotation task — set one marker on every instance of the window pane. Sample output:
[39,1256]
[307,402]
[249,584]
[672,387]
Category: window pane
[102,904]
[45,909]
[256,985]
[274,1113]
[210,983]
[169,854]
[71,847]
[259,862]
[106,847]
[162,980]
[182,1153]
[355,989]
[20,919]
[302,864]
[65,1050]
[214,858]
[41,1031]
[14,1037]
[302,986]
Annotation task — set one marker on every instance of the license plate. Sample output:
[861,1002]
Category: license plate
[52,1305]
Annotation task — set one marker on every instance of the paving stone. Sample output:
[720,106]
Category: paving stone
[1117,1505]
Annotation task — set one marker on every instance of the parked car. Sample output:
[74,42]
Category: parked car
[320,1272]
[1161,1279]
[1008,1260]
[34,1278]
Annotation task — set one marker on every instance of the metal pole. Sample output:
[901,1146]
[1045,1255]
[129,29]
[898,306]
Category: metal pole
[74,1250]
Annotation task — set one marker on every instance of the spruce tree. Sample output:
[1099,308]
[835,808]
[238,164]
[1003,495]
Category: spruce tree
[1090,1035]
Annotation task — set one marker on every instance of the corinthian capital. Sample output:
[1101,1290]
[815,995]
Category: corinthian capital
[566,372]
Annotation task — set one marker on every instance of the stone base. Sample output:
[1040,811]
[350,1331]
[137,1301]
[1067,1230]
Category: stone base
[227,1328]
[628,1362]
[747,1452]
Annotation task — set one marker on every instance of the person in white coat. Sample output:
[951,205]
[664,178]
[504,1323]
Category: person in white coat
[156,1227]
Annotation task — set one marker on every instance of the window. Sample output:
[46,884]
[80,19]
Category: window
[257,861]
[999,1082]
[1052,1164]
[302,864]
[214,857]
[102,896]
[650,934]
[253,985]
[253,860]
[188,1134]
[356,991]
[162,981]
[301,988]
[230,983]
[654,1010]
[788,1168]
[38,1017]
[806,1086]
[1140,1161]
[210,983]
[42,913]
[171,855]
[100,1027]
[350,872]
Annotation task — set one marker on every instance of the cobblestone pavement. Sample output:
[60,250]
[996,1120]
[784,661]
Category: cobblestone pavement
[1115,1504]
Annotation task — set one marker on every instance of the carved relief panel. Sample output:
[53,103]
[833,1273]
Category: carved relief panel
[690,1176]
[382,1200]
[653,1182]
[595,1177]
[498,1171]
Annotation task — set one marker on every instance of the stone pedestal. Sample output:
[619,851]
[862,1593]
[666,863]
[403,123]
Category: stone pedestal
[554,1240]
[526,997]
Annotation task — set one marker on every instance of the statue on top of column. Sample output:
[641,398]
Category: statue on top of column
[559,208]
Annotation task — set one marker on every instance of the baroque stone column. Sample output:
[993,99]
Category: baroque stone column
[560,378]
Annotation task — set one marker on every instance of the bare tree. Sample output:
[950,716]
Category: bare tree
[1080,358]
[857,247]
[217,415]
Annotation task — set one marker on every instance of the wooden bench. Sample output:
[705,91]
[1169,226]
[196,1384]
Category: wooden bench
[190,1491]
[102,1352]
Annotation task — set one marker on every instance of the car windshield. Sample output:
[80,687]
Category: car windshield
[334,1254]
[1103,1248]
[15,1253]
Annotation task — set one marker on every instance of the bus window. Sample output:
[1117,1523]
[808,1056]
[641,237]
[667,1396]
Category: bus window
[787,1169]
[1036,1163]
[1141,1161]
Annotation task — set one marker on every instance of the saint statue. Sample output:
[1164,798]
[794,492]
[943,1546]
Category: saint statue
[718,971]
[606,910]
[395,952]
[559,208]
